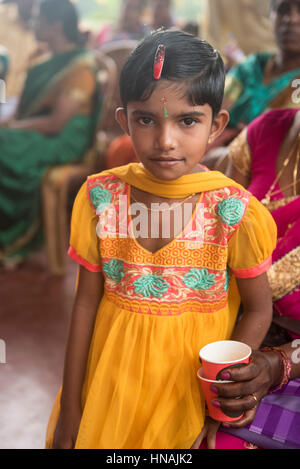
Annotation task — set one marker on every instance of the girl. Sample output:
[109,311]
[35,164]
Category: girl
[151,294]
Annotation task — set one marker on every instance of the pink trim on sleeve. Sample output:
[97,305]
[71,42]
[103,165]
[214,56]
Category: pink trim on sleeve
[77,258]
[254,271]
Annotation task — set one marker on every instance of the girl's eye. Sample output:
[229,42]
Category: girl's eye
[189,121]
[145,120]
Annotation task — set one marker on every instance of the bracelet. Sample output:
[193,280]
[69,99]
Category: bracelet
[286,367]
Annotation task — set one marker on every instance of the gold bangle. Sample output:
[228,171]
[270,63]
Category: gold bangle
[286,362]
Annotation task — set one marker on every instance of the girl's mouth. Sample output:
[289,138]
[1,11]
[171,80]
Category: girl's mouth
[167,162]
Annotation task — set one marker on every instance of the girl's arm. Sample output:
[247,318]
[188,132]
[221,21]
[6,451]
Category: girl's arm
[257,314]
[88,297]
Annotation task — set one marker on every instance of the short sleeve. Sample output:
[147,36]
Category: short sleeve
[251,247]
[84,242]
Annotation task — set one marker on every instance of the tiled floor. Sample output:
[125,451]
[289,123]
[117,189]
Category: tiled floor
[35,308]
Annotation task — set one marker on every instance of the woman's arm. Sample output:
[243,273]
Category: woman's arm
[88,297]
[63,110]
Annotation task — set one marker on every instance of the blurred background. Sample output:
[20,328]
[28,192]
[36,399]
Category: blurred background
[97,12]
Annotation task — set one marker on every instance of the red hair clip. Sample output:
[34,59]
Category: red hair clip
[159,61]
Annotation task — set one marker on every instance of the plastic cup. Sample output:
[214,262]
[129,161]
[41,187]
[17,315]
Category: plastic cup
[215,413]
[220,356]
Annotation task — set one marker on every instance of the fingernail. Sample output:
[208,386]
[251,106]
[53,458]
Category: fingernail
[214,389]
[225,425]
[216,404]
[226,375]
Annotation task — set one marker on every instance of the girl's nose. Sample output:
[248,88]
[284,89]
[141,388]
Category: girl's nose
[166,138]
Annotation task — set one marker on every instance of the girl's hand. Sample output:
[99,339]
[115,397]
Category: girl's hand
[209,431]
[251,384]
[66,431]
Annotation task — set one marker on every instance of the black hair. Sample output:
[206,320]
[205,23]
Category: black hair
[65,12]
[189,61]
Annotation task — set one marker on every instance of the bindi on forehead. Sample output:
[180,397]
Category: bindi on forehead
[164,101]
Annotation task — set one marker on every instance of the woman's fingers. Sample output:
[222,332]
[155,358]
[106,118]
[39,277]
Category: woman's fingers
[246,419]
[239,406]
[234,390]
[242,373]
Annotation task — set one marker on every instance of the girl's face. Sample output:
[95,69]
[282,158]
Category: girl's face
[169,135]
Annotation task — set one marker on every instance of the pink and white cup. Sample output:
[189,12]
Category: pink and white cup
[219,357]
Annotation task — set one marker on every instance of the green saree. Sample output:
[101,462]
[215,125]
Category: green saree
[26,155]
[250,95]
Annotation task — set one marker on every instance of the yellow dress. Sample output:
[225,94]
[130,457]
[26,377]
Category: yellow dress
[141,389]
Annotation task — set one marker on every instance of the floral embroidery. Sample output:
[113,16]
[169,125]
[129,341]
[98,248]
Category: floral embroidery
[231,211]
[114,270]
[177,279]
[151,285]
[100,198]
[199,279]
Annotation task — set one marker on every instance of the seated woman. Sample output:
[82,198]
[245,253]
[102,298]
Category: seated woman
[265,158]
[264,81]
[54,125]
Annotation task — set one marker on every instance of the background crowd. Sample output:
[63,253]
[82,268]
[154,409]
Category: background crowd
[60,77]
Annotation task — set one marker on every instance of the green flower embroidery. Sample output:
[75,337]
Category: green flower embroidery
[151,285]
[114,270]
[100,198]
[199,279]
[231,211]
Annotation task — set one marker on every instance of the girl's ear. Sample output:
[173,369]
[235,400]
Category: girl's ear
[121,118]
[219,124]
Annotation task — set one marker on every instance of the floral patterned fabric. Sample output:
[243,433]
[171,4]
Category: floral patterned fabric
[198,276]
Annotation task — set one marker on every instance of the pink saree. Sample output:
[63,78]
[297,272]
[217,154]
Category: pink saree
[255,153]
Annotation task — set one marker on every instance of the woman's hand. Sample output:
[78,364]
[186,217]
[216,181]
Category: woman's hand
[251,384]
[209,431]
[66,431]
